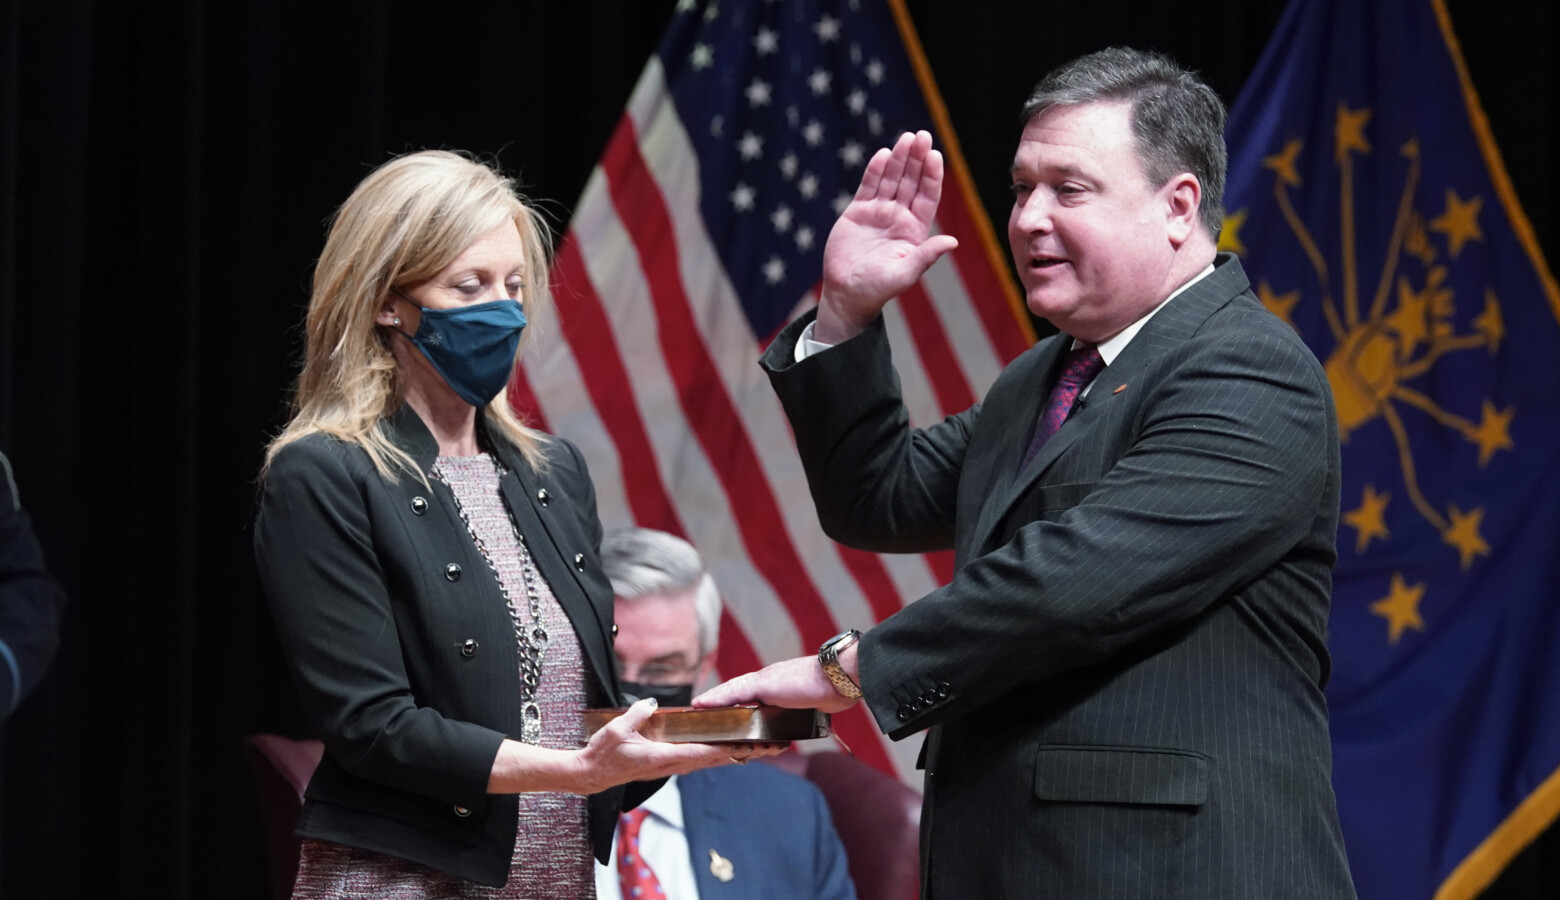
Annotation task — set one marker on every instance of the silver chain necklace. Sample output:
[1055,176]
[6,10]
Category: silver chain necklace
[532,638]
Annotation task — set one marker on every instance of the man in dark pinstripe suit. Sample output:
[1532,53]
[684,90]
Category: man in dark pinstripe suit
[1124,679]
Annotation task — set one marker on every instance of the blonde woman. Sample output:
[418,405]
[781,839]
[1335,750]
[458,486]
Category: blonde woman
[431,564]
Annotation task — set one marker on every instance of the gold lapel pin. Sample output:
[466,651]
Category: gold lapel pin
[1119,390]
[721,867]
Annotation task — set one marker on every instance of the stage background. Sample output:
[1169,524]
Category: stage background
[165,174]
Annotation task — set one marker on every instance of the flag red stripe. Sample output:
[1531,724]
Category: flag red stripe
[713,417]
[522,400]
[941,564]
[938,358]
[706,406]
[585,327]
[986,291]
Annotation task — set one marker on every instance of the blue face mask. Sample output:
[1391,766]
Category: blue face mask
[472,347]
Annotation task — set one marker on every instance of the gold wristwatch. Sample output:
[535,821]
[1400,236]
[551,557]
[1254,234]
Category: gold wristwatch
[829,658]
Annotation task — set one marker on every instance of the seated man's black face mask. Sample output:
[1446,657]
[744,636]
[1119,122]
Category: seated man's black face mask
[665,694]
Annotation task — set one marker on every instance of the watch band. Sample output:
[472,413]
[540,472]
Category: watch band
[829,659]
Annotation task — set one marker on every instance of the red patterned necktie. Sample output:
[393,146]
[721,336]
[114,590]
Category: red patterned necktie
[635,879]
[1078,369]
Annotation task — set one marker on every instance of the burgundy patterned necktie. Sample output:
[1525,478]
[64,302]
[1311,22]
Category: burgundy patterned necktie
[634,876]
[1078,369]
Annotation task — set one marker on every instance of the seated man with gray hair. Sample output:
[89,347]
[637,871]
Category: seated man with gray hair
[730,831]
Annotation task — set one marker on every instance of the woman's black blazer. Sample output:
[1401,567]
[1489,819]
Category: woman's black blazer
[403,649]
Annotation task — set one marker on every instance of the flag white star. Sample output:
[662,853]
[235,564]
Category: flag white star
[686,5]
[808,186]
[757,93]
[792,115]
[774,270]
[813,133]
[804,238]
[851,154]
[702,57]
[855,53]
[840,202]
[875,72]
[856,101]
[766,42]
[751,146]
[828,29]
[819,82]
[742,197]
[781,218]
[788,164]
[717,126]
[712,12]
[874,122]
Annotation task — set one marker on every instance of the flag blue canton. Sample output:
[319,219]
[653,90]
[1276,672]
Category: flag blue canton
[1371,204]
[784,104]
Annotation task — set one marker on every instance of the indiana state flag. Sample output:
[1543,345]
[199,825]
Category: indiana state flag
[1369,202]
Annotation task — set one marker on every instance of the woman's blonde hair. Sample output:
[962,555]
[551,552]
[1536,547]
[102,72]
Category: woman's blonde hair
[403,224]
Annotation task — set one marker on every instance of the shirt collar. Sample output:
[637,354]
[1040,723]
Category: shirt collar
[666,804]
[1112,348]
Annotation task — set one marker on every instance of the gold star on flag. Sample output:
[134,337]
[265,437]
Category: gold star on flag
[1283,163]
[1460,222]
[1350,131]
[1409,320]
[1278,304]
[1493,433]
[1463,534]
[1369,519]
[1489,323]
[1400,608]
[1229,235]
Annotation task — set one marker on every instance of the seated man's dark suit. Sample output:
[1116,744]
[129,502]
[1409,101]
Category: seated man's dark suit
[1124,678]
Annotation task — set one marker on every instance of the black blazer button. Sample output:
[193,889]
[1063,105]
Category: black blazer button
[614,631]
[452,572]
[419,506]
[462,811]
[928,696]
[469,648]
[941,692]
[542,497]
[579,562]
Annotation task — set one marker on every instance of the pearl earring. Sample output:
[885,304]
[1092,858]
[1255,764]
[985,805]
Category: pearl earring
[396,321]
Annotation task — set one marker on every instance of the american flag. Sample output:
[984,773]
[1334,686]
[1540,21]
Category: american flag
[700,233]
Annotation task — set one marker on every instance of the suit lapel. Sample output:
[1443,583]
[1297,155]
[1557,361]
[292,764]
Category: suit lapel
[549,549]
[704,824]
[1169,328]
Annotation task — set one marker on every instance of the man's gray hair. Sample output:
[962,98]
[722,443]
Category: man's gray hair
[642,562]
[1177,120]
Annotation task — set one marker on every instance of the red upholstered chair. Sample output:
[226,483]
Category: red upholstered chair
[877,816]
[281,768]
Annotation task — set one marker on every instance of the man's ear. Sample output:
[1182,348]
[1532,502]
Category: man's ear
[1183,198]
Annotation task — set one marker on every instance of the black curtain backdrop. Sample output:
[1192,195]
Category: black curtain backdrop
[166,170]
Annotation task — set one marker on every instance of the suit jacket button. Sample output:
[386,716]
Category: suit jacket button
[542,497]
[928,696]
[452,572]
[941,692]
[614,631]
[579,562]
[462,811]
[419,505]
[469,648]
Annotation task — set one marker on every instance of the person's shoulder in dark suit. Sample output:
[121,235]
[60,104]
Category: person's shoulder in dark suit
[31,601]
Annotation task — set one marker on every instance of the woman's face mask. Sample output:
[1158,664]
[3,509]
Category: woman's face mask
[471,347]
